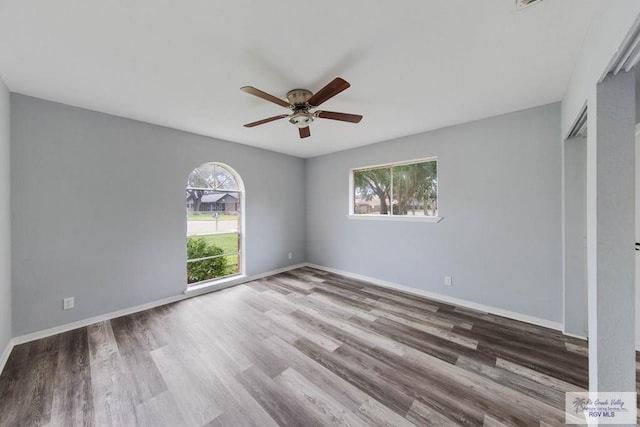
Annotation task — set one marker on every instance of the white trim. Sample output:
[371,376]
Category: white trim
[4,358]
[384,165]
[579,127]
[580,337]
[400,163]
[401,218]
[628,53]
[242,257]
[446,299]
[108,316]
[243,279]
[215,284]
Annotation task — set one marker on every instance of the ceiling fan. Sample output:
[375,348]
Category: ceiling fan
[301,102]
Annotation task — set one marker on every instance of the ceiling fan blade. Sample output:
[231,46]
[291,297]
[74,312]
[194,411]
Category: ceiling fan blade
[304,132]
[343,117]
[263,121]
[264,95]
[329,91]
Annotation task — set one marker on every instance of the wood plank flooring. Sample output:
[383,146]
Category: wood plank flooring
[302,348]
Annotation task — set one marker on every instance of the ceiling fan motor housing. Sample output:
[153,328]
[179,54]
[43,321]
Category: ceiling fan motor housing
[298,97]
[301,116]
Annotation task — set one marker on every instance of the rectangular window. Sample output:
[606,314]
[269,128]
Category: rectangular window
[399,190]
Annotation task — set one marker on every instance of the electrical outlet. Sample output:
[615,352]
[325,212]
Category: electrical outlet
[447,280]
[68,303]
[290,255]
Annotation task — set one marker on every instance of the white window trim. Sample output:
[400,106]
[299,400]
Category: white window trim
[216,284]
[242,258]
[400,218]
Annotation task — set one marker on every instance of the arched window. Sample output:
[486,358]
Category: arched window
[214,217]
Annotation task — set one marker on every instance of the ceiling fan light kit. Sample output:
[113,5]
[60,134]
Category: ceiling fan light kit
[301,101]
[301,119]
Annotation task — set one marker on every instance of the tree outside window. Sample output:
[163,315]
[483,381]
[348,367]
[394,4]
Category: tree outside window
[398,189]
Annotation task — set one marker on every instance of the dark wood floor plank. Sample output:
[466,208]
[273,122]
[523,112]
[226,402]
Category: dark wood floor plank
[134,349]
[359,375]
[304,347]
[73,391]
[351,397]
[29,395]
[421,341]
[376,414]
[336,305]
[346,332]
[288,323]
[424,415]
[410,377]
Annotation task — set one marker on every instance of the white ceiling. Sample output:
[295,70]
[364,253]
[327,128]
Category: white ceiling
[413,65]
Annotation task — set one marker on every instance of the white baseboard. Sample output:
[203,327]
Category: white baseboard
[5,354]
[432,295]
[108,316]
[569,334]
[446,299]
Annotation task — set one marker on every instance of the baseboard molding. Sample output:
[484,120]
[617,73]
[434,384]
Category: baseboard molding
[119,313]
[587,339]
[446,299]
[5,354]
[580,337]
[377,282]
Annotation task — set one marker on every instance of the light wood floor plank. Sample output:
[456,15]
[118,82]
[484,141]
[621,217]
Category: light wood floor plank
[329,411]
[110,379]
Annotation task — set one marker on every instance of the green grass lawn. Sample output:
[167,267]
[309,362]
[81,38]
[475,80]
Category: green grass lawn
[209,217]
[228,242]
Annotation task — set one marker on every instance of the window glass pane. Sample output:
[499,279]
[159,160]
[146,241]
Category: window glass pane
[223,179]
[213,223]
[372,191]
[198,271]
[202,223]
[212,246]
[227,242]
[213,176]
[415,189]
[407,189]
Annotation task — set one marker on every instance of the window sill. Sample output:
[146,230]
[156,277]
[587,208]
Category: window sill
[214,285]
[429,219]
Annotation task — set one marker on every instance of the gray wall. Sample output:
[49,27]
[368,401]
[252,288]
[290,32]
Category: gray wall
[98,210]
[499,194]
[5,224]
[575,236]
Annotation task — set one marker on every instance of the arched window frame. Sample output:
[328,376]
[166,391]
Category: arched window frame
[240,191]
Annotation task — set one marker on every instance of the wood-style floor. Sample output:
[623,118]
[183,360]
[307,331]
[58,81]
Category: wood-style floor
[303,348]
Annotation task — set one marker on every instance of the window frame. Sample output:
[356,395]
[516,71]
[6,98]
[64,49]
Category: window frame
[378,217]
[227,280]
